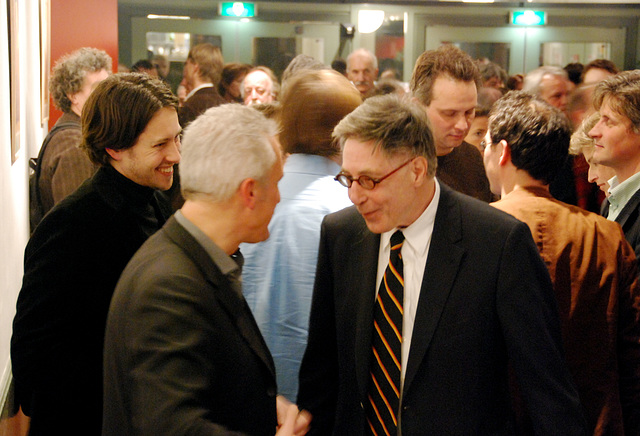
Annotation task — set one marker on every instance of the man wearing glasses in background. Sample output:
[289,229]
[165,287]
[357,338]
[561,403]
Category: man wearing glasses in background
[462,294]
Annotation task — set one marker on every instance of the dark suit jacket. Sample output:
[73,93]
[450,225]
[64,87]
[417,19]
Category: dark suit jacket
[486,301]
[198,103]
[629,220]
[183,354]
[72,263]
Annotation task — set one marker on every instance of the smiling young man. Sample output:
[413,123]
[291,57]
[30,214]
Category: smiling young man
[617,145]
[445,82]
[183,353]
[423,297]
[77,253]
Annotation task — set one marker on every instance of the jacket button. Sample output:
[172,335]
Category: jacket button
[271,392]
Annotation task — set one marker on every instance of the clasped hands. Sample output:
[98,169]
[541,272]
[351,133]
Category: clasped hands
[291,421]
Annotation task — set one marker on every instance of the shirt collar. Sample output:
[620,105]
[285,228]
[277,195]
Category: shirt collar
[198,88]
[621,192]
[416,234]
[223,261]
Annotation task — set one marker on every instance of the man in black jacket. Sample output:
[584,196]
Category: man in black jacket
[183,353]
[76,255]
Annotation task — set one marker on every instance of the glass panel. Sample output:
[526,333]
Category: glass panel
[275,53]
[390,45]
[497,52]
[175,46]
[562,53]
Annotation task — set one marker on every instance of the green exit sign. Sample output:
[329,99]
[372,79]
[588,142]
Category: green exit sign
[529,18]
[238,9]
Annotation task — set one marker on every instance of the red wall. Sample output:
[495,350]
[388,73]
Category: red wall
[83,23]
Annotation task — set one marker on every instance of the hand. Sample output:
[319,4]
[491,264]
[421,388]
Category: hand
[291,421]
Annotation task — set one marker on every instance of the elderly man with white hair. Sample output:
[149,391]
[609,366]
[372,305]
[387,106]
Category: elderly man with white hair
[550,84]
[362,70]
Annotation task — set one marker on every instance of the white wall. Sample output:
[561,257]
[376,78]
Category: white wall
[14,228]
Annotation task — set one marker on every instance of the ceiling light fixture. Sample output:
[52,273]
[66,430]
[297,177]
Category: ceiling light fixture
[167,17]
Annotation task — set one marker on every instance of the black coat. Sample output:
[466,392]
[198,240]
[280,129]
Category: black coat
[486,301]
[183,353]
[72,263]
[629,220]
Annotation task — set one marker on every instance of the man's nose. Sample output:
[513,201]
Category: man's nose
[463,122]
[173,152]
[357,194]
[595,132]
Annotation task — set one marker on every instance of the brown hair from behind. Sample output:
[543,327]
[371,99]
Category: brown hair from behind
[313,103]
[209,60]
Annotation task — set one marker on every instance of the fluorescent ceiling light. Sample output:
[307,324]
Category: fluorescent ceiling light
[167,17]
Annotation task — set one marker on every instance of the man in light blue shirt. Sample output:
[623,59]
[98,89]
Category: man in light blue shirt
[279,273]
[617,145]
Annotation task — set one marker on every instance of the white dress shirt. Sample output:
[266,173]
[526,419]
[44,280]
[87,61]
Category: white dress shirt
[417,239]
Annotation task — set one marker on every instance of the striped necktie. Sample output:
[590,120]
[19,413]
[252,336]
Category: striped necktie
[386,345]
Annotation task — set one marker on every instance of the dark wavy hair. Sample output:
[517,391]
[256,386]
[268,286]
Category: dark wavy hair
[537,133]
[118,111]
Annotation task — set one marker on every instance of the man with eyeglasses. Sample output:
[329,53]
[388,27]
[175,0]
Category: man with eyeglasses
[423,298]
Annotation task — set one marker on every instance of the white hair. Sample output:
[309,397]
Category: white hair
[362,52]
[533,79]
[222,147]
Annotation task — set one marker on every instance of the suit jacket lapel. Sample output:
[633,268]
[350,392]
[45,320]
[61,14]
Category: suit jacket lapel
[440,273]
[235,305]
[628,209]
[365,271]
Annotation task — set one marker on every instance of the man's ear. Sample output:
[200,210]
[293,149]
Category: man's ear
[115,154]
[420,168]
[505,156]
[72,98]
[248,192]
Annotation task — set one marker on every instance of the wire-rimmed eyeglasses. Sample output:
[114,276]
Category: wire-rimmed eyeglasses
[365,181]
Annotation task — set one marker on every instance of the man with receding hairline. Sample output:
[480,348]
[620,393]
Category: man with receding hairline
[362,70]
[423,298]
